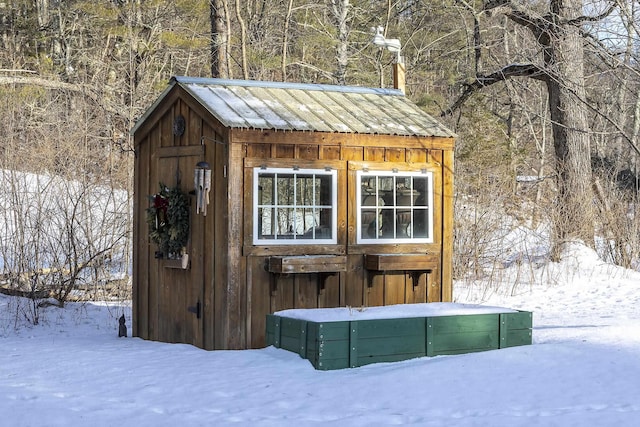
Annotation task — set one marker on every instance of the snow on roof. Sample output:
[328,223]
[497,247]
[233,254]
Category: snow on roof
[248,104]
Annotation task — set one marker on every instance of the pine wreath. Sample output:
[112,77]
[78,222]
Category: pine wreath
[168,220]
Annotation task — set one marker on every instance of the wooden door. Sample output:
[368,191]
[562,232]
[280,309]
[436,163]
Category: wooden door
[180,291]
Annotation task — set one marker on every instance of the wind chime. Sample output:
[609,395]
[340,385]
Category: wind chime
[202,182]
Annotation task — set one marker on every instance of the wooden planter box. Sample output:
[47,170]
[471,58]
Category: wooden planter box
[349,344]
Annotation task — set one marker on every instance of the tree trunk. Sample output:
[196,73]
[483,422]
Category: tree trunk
[340,10]
[285,41]
[564,60]
[218,12]
[243,41]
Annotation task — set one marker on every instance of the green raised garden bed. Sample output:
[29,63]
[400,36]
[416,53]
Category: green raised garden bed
[336,344]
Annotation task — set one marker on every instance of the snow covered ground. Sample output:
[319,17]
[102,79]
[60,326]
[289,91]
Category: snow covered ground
[583,369]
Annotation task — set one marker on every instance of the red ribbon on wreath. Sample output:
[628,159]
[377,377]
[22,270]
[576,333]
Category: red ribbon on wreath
[160,203]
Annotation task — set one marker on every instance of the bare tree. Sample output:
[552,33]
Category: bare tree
[560,65]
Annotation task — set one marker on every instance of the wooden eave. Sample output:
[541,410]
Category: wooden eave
[167,102]
[241,136]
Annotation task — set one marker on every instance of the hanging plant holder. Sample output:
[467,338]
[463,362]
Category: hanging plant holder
[168,221]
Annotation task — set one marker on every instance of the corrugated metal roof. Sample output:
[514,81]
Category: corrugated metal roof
[248,104]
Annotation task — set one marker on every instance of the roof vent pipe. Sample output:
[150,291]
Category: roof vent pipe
[394,46]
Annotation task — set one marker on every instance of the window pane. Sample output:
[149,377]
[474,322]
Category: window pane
[304,190]
[420,185]
[306,221]
[265,189]
[264,223]
[405,196]
[324,188]
[370,223]
[369,198]
[326,223]
[285,226]
[387,226]
[420,223]
[403,224]
[369,184]
[285,190]
[386,184]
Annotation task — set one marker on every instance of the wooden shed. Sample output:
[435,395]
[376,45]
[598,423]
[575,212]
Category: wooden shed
[319,196]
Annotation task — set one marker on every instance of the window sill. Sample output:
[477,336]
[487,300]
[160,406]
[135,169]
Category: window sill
[307,264]
[401,262]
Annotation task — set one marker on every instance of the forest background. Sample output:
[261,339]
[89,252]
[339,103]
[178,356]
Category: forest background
[543,95]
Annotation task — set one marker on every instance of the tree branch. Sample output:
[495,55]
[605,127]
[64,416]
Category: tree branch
[582,19]
[512,70]
[38,81]
[58,85]
[514,13]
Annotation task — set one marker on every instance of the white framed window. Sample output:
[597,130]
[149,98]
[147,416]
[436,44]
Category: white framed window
[294,206]
[394,207]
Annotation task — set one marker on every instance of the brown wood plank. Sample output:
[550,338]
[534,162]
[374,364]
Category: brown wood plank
[307,264]
[403,166]
[447,226]
[234,330]
[435,155]
[165,126]
[417,155]
[259,301]
[283,298]
[394,289]
[260,151]
[193,132]
[306,291]
[181,151]
[285,151]
[154,282]
[394,155]
[352,210]
[434,287]
[342,209]
[308,152]
[330,292]
[416,292]
[355,281]
[329,152]
[407,248]
[352,153]
[210,250]
[182,109]
[355,141]
[218,250]
[374,154]
[290,163]
[167,321]
[292,250]
[140,272]
[400,262]
[192,277]
[437,197]
[374,294]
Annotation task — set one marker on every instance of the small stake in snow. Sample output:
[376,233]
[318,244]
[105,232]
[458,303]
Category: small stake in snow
[122,330]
